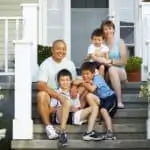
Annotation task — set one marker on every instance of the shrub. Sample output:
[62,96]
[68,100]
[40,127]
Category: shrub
[43,53]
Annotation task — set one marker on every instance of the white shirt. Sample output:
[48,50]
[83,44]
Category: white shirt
[74,102]
[103,48]
[49,68]
[92,49]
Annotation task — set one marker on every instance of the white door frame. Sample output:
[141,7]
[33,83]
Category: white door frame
[114,15]
[66,27]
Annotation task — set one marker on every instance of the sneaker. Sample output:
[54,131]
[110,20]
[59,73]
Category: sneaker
[92,136]
[109,135]
[63,139]
[51,133]
[120,105]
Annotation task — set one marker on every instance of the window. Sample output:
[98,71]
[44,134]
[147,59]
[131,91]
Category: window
[127,19]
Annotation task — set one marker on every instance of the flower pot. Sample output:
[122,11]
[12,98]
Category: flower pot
[134,76]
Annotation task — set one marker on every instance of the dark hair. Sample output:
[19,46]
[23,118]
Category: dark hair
[57,41]
[63,72]
[88,66]
[108,23]
[97,32]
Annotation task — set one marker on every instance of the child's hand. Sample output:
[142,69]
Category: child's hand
[74,109]
[73,92]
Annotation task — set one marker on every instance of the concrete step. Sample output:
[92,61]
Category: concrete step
[118,128]
[114,120]
[80,144]
[121,113]
[119,136]
[129,87]
[127,98]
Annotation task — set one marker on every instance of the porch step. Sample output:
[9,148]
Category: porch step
[80,144]
[120,136]
[128,113]
[118,128]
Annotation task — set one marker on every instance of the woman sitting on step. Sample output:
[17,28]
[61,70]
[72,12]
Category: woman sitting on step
[118,57]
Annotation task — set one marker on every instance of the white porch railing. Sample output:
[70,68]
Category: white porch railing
[145,37]
[8,25]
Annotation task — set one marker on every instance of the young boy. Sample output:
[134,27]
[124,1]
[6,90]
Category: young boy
[108,101]
[98,52]
[64,79]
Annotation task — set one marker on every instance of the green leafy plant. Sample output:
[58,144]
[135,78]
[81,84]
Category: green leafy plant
[2,131]
[145,88]
[133,63]
[43,53]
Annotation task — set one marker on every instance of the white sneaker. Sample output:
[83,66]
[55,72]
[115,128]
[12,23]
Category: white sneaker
[51,133]
[120,105]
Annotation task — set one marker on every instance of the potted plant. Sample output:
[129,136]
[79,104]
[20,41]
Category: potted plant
[133,68]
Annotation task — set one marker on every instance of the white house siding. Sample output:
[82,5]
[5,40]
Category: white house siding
[10,8]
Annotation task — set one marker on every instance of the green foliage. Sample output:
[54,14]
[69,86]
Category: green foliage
[145,89]
[43,53]
[133,63]
[2,131]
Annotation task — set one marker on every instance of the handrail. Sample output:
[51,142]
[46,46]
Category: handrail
[11,18]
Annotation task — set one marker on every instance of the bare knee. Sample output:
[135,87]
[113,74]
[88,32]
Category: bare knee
[95,108]
[42,97]
[112,71]
[92,99]
[102,111]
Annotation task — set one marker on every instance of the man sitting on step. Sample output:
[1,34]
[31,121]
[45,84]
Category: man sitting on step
[47,84]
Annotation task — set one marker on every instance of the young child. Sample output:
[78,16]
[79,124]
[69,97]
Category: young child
[108,101]
[79,116]
[98,52]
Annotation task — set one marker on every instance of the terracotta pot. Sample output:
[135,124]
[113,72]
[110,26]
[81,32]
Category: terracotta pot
[134,76]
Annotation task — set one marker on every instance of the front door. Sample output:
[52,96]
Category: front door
[86,15]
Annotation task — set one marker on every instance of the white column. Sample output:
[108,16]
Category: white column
[114,15]
[67,26]
[145,36]
[22,123]
[30,33]
[42,22]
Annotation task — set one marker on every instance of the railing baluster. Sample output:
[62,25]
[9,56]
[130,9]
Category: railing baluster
[17,20]
[17,29]
[6,46]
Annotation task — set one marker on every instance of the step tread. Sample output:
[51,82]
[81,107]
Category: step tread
[118,128]
[78,136]
[80,144]
[121,113]
[128,85]
[127,98]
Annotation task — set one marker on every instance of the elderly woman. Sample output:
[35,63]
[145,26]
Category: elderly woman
[118,59]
